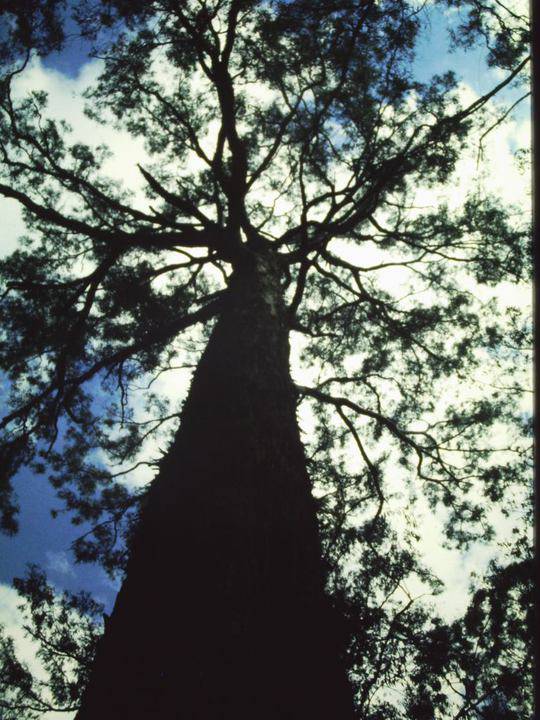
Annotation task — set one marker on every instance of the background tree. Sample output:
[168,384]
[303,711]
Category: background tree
[287,144]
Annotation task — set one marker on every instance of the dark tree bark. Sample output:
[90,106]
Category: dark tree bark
[222,613]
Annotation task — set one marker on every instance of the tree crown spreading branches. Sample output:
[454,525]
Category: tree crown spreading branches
[297,130]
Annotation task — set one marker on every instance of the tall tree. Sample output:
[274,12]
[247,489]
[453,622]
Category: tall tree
[286,143]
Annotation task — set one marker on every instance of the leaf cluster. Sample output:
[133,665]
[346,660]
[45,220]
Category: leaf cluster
[66,630]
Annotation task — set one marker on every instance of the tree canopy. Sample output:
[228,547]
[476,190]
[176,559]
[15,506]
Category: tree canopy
[301,129]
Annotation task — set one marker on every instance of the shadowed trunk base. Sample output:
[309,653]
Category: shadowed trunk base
[222,613]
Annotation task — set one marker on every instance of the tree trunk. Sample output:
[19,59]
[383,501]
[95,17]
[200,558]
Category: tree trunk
[222,613]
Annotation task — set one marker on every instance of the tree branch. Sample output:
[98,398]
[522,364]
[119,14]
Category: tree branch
[162,333]
[190,236]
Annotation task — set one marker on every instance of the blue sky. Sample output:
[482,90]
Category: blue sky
[46,542]
[71,59]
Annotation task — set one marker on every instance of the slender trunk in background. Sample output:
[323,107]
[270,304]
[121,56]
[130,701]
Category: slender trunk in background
[222,613]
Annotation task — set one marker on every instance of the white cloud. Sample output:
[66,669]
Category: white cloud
[59,562]
[66,103]
[488,164]
[10,617]
[12,225]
